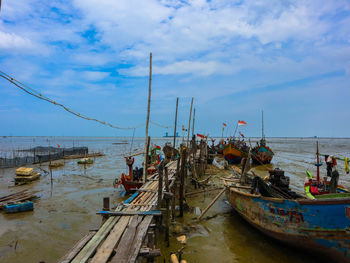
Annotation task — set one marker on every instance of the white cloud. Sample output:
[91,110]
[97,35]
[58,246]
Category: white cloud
[13,41]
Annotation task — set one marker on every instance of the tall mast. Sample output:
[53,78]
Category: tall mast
[147,120]
[318,163]
[262,126]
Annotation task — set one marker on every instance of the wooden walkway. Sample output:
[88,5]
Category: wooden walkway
[122,238]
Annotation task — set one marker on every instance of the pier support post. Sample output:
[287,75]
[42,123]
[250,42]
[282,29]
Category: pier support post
[105,208]
[182,180]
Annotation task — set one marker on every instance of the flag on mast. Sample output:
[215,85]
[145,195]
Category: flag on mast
[242,123]
[224,124]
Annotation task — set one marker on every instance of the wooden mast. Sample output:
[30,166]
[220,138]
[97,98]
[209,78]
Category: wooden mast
[318,163]
[177,105]
[147,120]
[189,123]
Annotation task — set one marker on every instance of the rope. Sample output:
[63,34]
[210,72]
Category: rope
[38,95]
[160,125]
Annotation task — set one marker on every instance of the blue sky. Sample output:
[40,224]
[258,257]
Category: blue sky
[290,58]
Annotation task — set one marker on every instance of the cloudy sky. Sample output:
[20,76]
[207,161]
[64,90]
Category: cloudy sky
[289,58]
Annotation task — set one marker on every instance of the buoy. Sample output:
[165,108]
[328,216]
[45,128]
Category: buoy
[346,165]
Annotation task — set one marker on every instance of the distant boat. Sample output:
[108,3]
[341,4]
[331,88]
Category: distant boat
[234,151]
[262,154]
[170,136]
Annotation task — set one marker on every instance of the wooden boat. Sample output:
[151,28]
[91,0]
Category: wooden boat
[233,153]
[321,224]
[262,154]
[85,161]
[131,181]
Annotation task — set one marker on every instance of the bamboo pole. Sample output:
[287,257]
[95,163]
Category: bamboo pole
[194,117]
[211,203]
[189,123]
[160,186]
[175,186]
[147,119]
[177,106]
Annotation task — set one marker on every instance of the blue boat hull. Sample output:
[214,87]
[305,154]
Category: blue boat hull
[319,225]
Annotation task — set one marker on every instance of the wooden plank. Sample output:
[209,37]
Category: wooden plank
[122,251]
[92,245]
[77,247]
[138,239]
[131,213]
[106,249]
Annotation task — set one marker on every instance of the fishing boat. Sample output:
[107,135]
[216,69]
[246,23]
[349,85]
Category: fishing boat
[131,181]
[261,153]
[316,187]
[85,161]
[234,151]
[320,224]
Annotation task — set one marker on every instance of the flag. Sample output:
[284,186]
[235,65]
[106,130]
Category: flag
[241,134]
[58,145]
[183,127]
[241,123]
[224,124]
[200,135]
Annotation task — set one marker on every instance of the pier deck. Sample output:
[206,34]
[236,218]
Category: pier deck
[122,238]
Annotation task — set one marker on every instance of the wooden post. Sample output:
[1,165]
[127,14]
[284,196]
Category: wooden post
[182,180]
[245,169]
[106,207]
[160,186]
[167,202]
[189,123]
[175,188]
[177,105]
[194,117]
[147,119]
[146,153]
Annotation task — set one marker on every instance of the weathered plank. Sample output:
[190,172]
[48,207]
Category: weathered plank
[106,249]
[138,239]
[92,245]
[77,247]
[122,251]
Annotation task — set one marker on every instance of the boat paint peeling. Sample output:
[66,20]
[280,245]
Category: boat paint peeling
[321,226]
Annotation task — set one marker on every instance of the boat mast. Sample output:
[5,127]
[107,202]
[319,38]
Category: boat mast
[318,163]
[262,126]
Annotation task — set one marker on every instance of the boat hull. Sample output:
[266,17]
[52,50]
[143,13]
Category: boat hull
[319,225]
[262,155]
[232,154]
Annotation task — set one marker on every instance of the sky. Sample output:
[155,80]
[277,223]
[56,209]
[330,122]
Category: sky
[290,59]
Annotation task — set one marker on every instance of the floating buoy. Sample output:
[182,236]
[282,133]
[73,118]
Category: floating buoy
[346,165]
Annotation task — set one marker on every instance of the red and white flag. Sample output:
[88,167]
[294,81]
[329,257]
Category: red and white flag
[183,127]
[58,146]
[224,124]
[200,135]
[241,134]
[241,123]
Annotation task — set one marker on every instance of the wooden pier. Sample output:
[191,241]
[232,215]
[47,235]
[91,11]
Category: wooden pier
[126,236]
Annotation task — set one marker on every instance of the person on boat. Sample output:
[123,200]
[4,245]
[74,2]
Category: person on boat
[137,174]
[331,162]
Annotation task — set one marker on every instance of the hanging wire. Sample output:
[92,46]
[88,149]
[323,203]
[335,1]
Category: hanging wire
[38,95]
[160,125]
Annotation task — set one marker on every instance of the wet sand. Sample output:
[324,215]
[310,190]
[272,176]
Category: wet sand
[67,211]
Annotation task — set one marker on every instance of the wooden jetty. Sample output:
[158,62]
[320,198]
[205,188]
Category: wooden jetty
[127,235]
